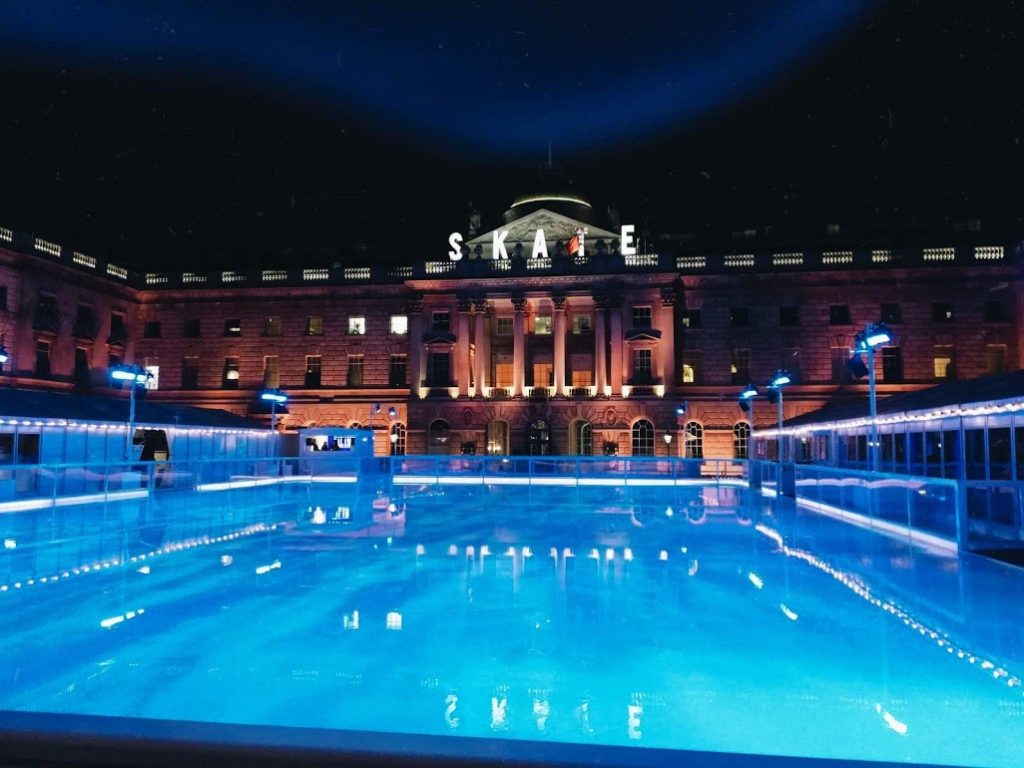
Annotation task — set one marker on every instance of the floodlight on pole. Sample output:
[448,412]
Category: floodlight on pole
[874,335]
[780,379]
[4,357]
[275,397]
[134,375]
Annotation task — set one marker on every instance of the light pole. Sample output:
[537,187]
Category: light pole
[668,443]
[681,424]
[275,397]
[747,395]
[779,379]
[134,375]
[873,335]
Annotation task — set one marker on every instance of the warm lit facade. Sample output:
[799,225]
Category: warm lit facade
[556,355]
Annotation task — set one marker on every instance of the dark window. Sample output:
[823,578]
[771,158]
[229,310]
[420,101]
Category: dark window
[3,297]
[233,327]
[942,313]
[313,370]
[314,326]
[643,371]
[152,329]
[113,359]
[43,359]
[355,371]
[995,359]
[397,371]
[740,367]
[892,364]
[190,372]
[271,327]
[789,315]
[118,329]
[840,371]
[691,318]
[641,317]
[46,318]
[891,314]
[85,323]
[739,316]
[80,376]
[839,314]
[995,312]
[230,379]
[441,321]
[438,370]
[190,329]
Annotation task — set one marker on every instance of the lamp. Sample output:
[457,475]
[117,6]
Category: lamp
[779,379]
[4,357]
[873,335]
[135,375]
[275,397]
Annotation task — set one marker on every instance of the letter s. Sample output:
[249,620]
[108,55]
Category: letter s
[455,241]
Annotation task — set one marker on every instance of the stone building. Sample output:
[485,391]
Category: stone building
[583,353]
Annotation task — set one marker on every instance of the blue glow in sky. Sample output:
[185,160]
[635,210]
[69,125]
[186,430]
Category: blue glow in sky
[505,79]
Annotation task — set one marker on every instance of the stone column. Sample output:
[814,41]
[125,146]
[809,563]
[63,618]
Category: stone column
[616,332]
[600,347]
[462,348]
[667,326]
[559,328]
[479,345]
[415,309]
[518,347]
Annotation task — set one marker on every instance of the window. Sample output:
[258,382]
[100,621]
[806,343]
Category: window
[692,371]
[741,440]
[641,317]
[892,364]
[190,373]
[437,369]
[314,326]
[272,326]
[693,435]
[43,359]
[313,369]
[739,317]
[944,365]
[543,374]
[581,324]
[118,329]
[942,313]
[691,318]
[398,325]
[3,297]
[271,372]
[891,314]
[542,325]
[151,330]
[85,323]
[839,314]
[497,438]
[233,327]
[355,371]
[437,436]
[153,369]
[397,438]
[230,378]
[539,437]
[789,315]
[397,371]
[190,328]
[504,326]
[643,370]
[740,368]
[582,377]
[643,438]
[581,438]
[113,359]
[995,359]
[503,372]
[440,321]
[841,373]
[357,326]
[995,312]
[81,376]
[46,317]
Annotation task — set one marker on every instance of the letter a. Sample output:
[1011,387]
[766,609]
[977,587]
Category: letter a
[455,240]
[498,245]
[540,245]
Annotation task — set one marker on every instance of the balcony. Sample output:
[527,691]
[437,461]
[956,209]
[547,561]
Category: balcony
[538,393]
[583,392]
[498,393]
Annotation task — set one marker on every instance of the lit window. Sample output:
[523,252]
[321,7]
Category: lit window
[230,379]
[503,373]
[271,372]
[583,378]
[504,326]
[394,621]
[399,325]
[357,326]
[543,374]
[233,327]
[315,326]
[688,375]
[542,325]
[944,367]
[581,324]
[153,382]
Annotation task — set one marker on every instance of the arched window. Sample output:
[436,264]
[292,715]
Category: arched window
[437,436]
[643,438]
[581,438]
[741,440]
[355,425]
[497,438]
[397,438]
[694,435]
[540,437]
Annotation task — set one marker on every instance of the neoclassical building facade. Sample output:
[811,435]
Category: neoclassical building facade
[591,352]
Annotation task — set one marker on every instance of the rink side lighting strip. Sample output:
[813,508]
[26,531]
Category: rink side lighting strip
[561,481]
[70,501]
[925,540]
[256,482]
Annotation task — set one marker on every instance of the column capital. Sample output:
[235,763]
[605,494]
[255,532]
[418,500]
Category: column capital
[615,301]
[601,302]
[480,306]
[465,305]
[518,303]
[558,300]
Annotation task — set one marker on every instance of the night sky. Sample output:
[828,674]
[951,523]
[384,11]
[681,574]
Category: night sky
[180,134]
